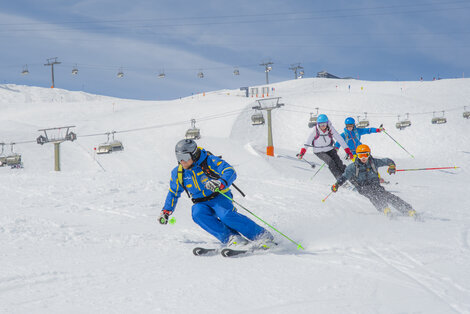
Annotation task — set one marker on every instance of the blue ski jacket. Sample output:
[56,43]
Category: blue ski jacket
[353,138]
[194,179]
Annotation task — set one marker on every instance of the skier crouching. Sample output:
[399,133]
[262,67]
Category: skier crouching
[201,174]
[364,172]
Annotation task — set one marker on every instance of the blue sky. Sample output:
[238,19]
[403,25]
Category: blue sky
[370,40]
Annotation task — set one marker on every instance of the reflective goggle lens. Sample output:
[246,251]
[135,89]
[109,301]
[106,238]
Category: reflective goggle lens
[183,156]
[323,124]
[362,155]
[349,125]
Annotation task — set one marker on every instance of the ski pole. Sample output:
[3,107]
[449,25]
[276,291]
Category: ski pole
[323,200]
[311,165]
[398,144]
[298,244]
[439,168]
[318,171]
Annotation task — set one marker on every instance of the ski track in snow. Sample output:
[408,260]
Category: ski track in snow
[441,286]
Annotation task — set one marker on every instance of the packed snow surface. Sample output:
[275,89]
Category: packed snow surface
[86,240]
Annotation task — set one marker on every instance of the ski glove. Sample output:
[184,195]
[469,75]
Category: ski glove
[302,153]
[163,219]
[214,185]
[334,187]
[392,169]
[348,151]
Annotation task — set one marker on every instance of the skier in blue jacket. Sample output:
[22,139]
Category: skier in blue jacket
[201,174]
[352,135]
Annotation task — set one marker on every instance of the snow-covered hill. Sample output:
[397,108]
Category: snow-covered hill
[86,239]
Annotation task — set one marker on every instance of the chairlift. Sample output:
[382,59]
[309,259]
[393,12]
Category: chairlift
[14,159]
[301,74]
[268,68]
[161,74]
[363,123]
[438,120]
[200,74]
[120,74]
[402,124]
[257,118]
[193,133]
[236,71]
[110,147]
[75,70]
[466,114]
[312,122]
[25,70]
[3,157]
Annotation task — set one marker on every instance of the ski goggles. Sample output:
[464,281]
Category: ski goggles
[323,124]
[349,126]
[183,156]
[363,155]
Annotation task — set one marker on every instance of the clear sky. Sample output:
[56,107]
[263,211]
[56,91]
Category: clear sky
[370,40]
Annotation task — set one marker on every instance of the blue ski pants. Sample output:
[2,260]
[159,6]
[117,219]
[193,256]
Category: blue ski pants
[220,218]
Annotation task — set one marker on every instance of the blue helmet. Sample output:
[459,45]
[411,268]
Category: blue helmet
[350,121]
[322,118]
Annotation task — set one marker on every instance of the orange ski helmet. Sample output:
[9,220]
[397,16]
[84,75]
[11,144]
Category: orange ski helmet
[363,151]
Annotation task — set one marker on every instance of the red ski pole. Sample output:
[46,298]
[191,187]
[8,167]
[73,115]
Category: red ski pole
[439,168]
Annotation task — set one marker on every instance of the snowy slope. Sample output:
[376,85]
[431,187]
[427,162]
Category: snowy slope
[85,239]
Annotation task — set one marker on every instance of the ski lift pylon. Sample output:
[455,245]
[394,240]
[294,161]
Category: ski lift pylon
[193,133]
[438,120]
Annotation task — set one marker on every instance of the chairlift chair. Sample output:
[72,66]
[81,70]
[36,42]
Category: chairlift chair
[25,70]
[363,123]
[236,71]
[438,120]
[257,119]
[402,124]
[110,147]
[14,159]
[3,157]
[193,133]
[75,70]
[161,75]
[200,74]
[120,74]
[312,122]
[466,114]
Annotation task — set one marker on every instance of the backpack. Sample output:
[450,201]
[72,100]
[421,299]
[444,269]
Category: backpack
[205,168]
[317,135]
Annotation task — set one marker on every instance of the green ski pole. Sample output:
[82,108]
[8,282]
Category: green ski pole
[298,244]
[318,171]
[398,143]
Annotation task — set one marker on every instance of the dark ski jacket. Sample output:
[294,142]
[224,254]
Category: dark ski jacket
[364,173]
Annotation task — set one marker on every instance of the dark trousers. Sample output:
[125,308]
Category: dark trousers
[333,161]
[381,198]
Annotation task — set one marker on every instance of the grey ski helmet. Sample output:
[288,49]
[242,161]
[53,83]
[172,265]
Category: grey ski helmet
[185,150]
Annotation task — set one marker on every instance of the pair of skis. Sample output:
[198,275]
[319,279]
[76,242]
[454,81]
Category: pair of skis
[225,252]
